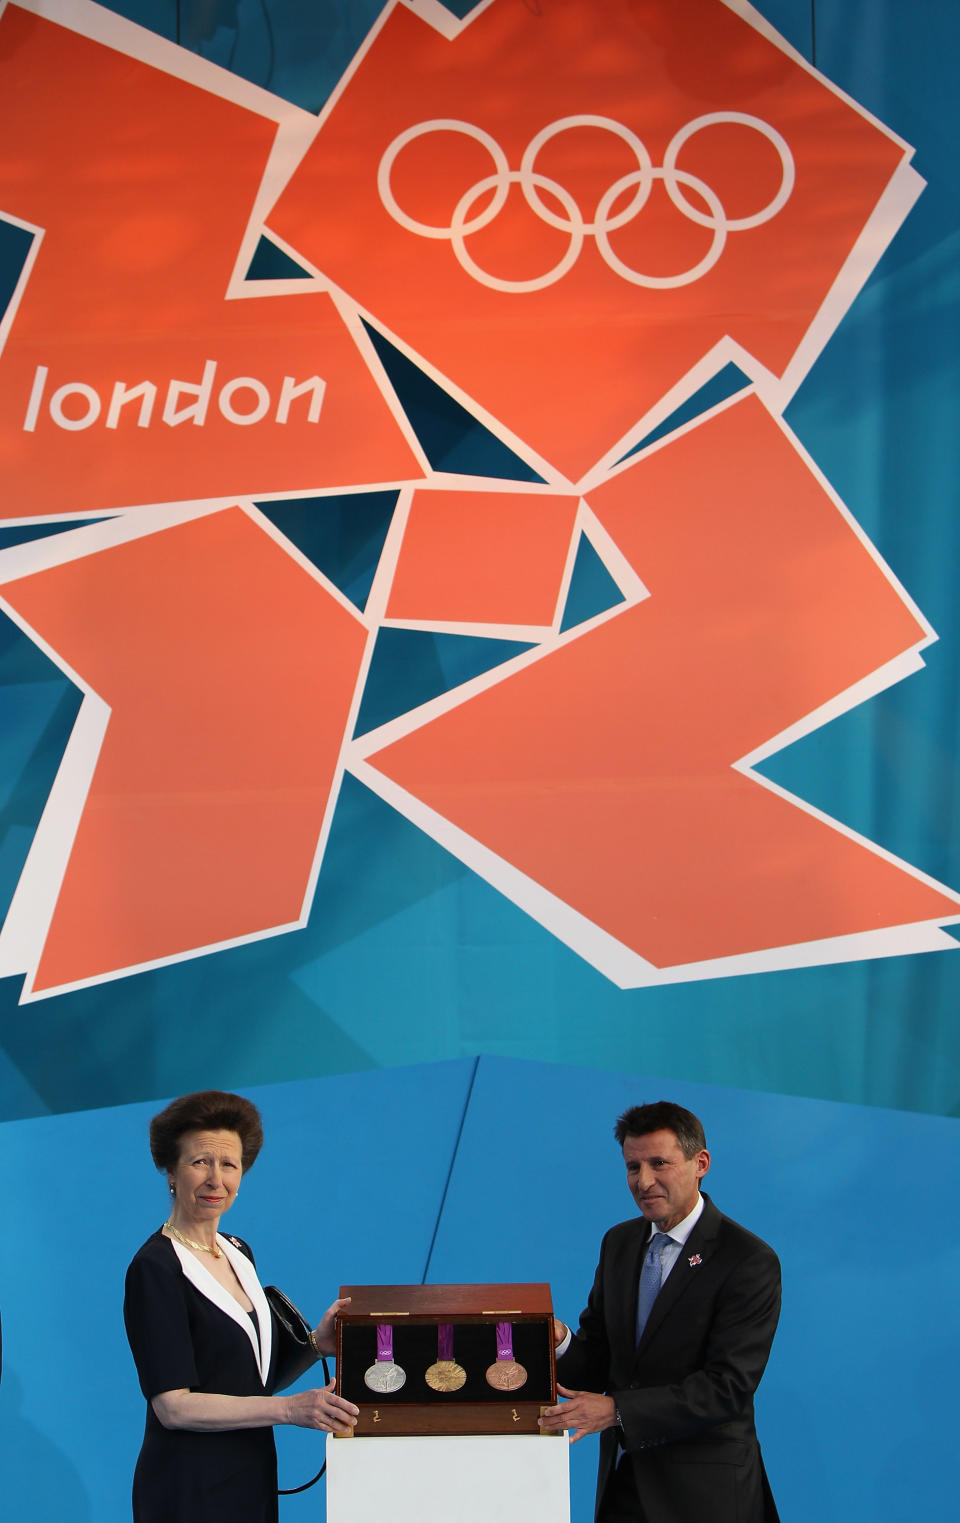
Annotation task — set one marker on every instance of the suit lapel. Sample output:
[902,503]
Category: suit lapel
[247,1275]
[200,1277]
[694,1256]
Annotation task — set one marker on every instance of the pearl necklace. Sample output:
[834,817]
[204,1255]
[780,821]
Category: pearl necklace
[188,1242]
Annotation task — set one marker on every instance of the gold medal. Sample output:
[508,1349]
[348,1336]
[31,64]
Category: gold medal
[445,1374]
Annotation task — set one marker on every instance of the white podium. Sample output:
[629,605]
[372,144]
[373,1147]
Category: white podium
[517,1478]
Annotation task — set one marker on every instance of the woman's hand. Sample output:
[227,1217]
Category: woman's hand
[203,1412]
[321,1408]
[325,1333]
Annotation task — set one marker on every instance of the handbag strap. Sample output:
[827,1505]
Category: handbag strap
[297,1324]
[292,1491]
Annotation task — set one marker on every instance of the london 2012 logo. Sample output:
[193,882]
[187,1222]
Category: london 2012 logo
[534,209]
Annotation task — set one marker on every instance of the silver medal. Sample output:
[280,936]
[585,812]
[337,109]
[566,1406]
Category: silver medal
[384,1377]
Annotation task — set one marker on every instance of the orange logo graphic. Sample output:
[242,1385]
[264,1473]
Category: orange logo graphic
[541,210]
[607,782]
[570,216]
[127,376]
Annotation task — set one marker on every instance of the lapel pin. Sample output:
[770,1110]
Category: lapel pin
[694,1260]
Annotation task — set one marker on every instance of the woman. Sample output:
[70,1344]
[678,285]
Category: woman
[208,1350]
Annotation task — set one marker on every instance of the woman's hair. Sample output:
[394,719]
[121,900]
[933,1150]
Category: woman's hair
[210,1110]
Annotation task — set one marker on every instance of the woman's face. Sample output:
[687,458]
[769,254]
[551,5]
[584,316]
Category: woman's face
[207,1175]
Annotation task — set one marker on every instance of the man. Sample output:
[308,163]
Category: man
[673,1342]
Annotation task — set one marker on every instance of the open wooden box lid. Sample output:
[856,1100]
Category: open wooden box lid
[446,1302]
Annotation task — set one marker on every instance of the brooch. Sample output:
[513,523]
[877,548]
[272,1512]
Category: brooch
[694,1260]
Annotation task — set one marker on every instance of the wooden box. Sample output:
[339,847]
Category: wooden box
[415,1316]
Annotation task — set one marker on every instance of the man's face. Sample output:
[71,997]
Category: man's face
[663,1182]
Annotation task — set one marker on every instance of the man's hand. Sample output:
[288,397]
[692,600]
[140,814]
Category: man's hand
[583,1412]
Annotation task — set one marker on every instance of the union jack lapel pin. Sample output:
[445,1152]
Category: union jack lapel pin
[694,1261]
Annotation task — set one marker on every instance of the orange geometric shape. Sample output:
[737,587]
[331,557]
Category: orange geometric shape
[127,376]
[483,558]
[563,212]
[221,754]
[607,771]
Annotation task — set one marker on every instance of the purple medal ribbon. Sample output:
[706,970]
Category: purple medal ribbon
[445,1342]
[384,1343]
[504,1340]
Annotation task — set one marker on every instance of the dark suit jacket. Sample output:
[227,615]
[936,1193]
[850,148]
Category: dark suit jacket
[685,1393]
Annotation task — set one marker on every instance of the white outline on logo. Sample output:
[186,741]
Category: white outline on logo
[531,183]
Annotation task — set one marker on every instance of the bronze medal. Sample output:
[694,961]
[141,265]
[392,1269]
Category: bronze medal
[506,1374]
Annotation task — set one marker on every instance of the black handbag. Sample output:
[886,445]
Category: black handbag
[296,1352]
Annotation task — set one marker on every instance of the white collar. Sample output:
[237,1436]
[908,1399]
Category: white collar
[199,1275]
[682,1230]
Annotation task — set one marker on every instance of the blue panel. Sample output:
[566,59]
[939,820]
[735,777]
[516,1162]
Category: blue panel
[271,263]
[867,1345]
[296,48]
[452,439]
[162,16]
[347,1191]
[461,7]
[592,588]
[720,387]
[22,1100]
[35,722]
[38,707]
[342,535]
[795,20]
[410,666]
[19,534]
[15,244]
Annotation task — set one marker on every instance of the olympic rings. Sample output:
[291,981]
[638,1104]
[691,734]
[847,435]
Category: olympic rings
[572,222]
[442,124]
[459,229]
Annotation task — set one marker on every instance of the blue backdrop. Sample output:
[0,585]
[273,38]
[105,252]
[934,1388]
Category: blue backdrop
[432,1062]
[487,1170]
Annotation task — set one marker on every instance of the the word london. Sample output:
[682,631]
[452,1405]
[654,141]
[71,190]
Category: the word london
[242,400]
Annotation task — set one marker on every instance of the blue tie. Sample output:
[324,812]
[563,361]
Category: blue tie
[650,1279]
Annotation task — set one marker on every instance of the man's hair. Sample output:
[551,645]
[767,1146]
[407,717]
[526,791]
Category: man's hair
[662,1115]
